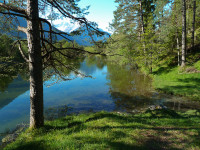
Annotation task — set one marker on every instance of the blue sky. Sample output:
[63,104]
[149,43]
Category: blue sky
[101,12]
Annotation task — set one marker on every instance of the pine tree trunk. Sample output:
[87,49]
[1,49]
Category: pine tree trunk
[142,18]
[177,46]
[35,65]
[183,33]
[177,40]
[143,30]
[193,22]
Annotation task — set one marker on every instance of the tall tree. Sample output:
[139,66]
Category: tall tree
[37,58]
[142,18]
[193,21]
[177,39]
[35,65]
[183,33]
[162,22]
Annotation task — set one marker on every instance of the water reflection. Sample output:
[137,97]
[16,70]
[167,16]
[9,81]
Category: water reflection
[4,82]
[16,88]
[62,69]
[52,113]
[13,82]
[128,88]
[112,88]
[92,64]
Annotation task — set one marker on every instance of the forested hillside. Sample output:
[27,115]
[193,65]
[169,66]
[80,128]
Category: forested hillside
[154,33]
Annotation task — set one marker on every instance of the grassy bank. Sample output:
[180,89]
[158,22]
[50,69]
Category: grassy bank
[158,129]
[178,82]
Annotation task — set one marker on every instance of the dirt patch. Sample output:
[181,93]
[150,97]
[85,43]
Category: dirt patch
[191,70]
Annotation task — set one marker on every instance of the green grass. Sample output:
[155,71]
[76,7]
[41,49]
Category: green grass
[173,81]
[197,65]
[151,130]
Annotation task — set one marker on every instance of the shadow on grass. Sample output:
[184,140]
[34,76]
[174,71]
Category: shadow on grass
[144,120]
[187,85]
[146,128]
[30,146]
[162,70]
[69,125]
[111,116]
[190,91]
[158,113]
[193,80]
[141,135]
[150,142]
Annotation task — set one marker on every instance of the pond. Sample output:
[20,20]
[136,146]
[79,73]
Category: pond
[111,88]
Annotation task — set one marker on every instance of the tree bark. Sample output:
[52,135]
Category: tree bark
[141,15]
[183,33]
[35,65]
[177,40]
[193,22]
[143,30]
[177,46]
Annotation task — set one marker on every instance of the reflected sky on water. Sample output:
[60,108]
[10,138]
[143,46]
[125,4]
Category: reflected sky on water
[111,88]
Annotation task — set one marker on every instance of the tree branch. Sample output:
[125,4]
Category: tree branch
[81,20]
[67,48]
[22,29]
[13,14]
[58,33]
[13,8]
[69,67]
[21,51]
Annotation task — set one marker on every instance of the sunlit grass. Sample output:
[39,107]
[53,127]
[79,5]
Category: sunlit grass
[174,81]
[151,130]
[197,65]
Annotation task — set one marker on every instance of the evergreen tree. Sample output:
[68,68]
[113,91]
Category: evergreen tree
[41,49]
[147,31]
[183,33]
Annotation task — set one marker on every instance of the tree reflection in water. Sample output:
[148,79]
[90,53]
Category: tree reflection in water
[56,112]
[13,81]
[129,88]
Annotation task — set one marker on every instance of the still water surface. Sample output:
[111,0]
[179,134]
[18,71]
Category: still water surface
[111,88]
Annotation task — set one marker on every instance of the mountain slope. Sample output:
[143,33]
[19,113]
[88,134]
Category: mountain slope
[82,39]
